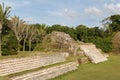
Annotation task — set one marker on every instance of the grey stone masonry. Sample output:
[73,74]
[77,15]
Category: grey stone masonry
[93,53]
[48,73]
[14,65]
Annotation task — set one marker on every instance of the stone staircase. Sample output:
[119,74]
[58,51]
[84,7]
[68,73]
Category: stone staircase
[93,53]
[48,73]
[17,65]
[14,65]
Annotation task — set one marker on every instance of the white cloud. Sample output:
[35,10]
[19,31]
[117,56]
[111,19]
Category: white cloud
[67,13]
[93,11]
[113,8]
[112,0]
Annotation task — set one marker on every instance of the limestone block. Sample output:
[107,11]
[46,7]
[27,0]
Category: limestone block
[48,73]
[83,60]
[13,65]
[93,53]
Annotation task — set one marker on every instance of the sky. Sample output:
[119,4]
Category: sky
[64,12]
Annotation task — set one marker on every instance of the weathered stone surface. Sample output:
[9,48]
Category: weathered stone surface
[116,42]
[13,65]
[57,40]
[65,54]
[93,53]
[48,73]
[83,60]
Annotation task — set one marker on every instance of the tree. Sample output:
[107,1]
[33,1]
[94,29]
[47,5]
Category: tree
[9,41]
[66,29]
[4,14]
[112,23]
[81,31]
[41,30]
[25,35]
[18,27]
[32,35]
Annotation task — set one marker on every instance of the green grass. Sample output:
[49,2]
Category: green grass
[4,78]
[109,70]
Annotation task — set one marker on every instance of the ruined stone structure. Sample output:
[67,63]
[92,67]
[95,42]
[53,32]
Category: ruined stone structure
[13,65]
[116,42]
[61,40]
[83,60]
[93,53]
[57,40]
[48,73]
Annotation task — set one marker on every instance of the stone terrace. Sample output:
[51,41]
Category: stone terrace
[14,65]
[48,73]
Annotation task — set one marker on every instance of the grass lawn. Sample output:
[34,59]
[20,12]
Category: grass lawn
[109,70]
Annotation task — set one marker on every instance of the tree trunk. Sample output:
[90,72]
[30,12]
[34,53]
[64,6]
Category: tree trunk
[0,38]
[24,45]
[18,46]
[29,44]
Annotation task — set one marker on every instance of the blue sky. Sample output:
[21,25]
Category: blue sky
[64,12]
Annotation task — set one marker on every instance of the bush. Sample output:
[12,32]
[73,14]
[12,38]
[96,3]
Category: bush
[9,45]
[105,44]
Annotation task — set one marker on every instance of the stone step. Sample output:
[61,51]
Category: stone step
[14,65]
[48,73]
[93,53]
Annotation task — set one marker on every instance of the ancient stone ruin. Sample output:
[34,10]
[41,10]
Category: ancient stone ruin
[93,53]
[116,42]
[55,40]
[63,41]
[14,65]
[49,73]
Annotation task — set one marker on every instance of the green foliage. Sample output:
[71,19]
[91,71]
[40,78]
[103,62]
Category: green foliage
[10,46]
[113,23]
[9,41]
[94,35]
[81,31]
[103,43]
[4,12]
[66,29]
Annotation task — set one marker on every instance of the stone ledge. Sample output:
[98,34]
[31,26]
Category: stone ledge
[48,73]
[10,66]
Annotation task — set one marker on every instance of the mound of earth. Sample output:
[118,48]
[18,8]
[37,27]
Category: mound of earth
[57,41]
[116,42]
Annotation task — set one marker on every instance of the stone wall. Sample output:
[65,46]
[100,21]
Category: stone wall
[13,65]
[83,60]
[48,73]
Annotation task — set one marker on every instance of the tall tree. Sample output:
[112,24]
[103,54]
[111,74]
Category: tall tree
[41,29]
[4,14]
[25,35]
[32,35]
[81,31]
[112,23]
[18,27]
